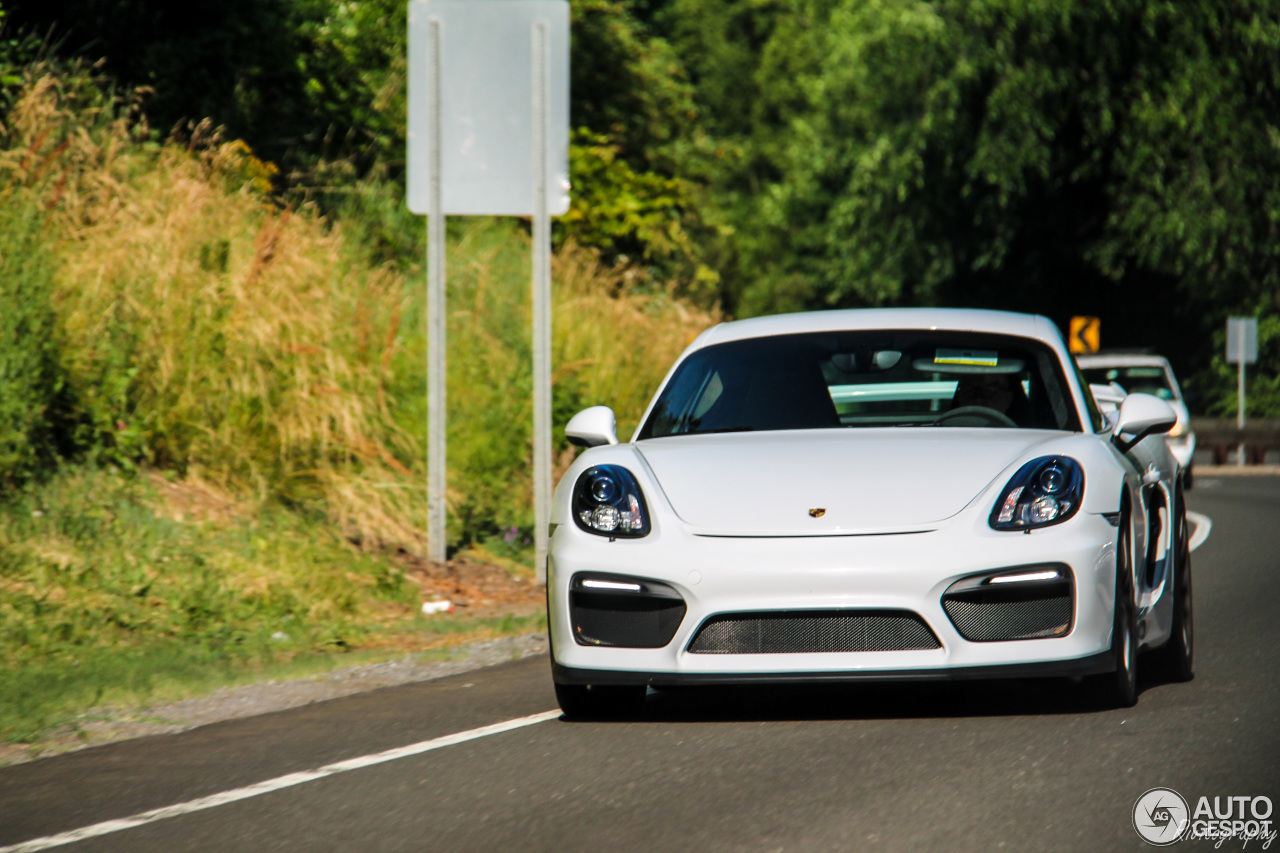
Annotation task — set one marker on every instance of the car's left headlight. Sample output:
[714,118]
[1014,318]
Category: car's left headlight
[1045,491]
[607,501]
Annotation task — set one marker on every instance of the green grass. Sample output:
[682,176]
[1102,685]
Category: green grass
[103,599]
[52,695]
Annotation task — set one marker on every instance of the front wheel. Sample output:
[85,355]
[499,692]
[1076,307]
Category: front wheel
[599,701]
[1119,689]
[1175,660]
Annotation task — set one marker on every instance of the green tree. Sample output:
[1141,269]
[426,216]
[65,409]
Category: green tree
[1114,159]
[234,62]
[637,156]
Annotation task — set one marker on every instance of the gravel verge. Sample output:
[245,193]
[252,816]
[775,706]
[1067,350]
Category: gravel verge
[106,725]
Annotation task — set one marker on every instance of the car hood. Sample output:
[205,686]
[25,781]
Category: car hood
[863,480]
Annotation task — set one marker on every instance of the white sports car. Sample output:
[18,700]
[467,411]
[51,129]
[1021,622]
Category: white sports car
[1150,374]
[870,494]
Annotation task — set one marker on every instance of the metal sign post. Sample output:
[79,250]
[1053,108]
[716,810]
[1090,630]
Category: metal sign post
[1242,348]
[541,308]
[436,423]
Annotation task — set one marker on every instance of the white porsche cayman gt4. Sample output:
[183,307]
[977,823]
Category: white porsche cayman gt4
[872,494]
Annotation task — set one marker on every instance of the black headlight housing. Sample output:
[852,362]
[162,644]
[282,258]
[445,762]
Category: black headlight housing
[607,502]
[1045,491]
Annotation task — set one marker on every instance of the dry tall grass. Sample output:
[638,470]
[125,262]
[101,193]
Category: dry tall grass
[242,343]
[256,347]
[618,343]
[611,345]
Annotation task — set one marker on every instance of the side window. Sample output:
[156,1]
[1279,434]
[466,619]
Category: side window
[672,412]
[710,394]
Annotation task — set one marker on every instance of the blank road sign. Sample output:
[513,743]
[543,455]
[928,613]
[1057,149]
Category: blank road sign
[487,105]
[1242,340]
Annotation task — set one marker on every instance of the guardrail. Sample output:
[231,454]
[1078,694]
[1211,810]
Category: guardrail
[1221,436]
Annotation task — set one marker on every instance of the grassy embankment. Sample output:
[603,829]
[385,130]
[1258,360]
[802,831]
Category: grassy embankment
[213,411]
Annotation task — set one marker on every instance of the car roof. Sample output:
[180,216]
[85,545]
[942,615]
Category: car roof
[1118,359]
[860,319]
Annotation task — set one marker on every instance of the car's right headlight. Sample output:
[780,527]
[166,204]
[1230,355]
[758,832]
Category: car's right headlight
[607,501]
[1045,491]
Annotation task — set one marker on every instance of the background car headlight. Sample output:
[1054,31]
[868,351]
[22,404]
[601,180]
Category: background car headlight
[1044,491]
[607,502]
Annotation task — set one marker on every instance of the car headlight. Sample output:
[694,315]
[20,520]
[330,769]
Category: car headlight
[607,502]
[1045,491]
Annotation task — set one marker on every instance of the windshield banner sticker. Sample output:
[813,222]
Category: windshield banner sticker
[980,357]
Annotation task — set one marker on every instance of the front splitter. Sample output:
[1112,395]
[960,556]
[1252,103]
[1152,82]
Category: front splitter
[1075,668]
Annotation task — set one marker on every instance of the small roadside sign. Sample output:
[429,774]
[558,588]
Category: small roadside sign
[1242,349]
[1085,334]
[1242,340]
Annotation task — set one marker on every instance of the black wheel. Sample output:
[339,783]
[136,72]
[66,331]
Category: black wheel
[1175,660]
[1119,689]
[599,702]
[1186,479]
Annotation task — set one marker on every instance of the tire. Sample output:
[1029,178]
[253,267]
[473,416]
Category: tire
[1175,660]
[1119,688]
[599,702]
[1187,478]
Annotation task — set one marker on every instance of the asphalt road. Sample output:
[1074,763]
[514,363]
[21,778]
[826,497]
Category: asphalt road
[1017,765]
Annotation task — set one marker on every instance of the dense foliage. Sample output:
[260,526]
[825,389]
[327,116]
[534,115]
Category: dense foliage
[1114,158]
[32,383]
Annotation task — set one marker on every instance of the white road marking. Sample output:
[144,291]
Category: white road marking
[1202,523]
[279,783]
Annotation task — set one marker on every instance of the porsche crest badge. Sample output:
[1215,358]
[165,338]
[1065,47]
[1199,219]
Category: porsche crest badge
[817,512]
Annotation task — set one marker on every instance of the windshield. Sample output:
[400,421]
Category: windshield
[1150,379]
[865,379]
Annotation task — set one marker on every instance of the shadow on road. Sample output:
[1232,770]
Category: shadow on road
[778,702]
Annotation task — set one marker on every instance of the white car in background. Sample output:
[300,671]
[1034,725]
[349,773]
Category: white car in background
[872,494]
[1147,374]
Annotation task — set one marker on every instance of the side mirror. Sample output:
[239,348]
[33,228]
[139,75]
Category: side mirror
[1141,415]
[592,427]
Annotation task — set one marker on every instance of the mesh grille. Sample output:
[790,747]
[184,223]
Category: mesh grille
[1011,615]
[812,631]
[632,621]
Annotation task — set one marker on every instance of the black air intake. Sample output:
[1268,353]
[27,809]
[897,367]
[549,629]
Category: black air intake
[983,611]
[614,610]
[794,631]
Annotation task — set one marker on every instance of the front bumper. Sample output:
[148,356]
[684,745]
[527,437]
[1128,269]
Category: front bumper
[899,572]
